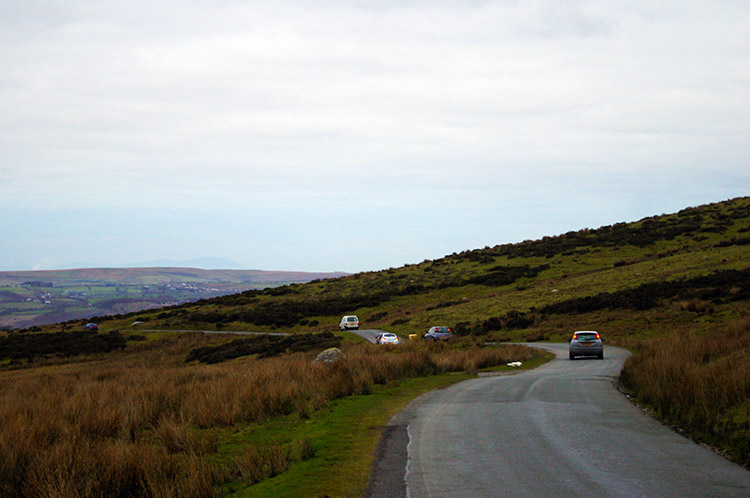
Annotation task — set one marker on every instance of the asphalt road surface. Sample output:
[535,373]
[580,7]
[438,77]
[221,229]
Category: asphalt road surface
[369,334]
[559,430]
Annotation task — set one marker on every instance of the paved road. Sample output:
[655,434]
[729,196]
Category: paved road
[559,430]
[369,334]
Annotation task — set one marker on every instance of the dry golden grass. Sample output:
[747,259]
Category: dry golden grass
[256,464]
[146,428]
[700,383]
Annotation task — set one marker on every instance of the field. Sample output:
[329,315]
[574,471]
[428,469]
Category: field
[42,297]
[675,289]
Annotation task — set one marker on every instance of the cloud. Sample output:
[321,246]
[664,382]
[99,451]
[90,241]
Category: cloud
[218,107]
[45,264]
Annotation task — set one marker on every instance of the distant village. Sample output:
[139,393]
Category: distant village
[37,303]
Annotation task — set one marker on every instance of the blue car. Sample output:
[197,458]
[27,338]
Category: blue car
[438,334]
[91,326]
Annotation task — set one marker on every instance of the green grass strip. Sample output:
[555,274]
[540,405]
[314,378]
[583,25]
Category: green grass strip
[343,435]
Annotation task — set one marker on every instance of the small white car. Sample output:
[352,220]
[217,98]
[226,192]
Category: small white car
[387,338]
[349,322]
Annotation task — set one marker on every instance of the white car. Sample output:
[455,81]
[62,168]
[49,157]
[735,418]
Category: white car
[349,322]
[387,338]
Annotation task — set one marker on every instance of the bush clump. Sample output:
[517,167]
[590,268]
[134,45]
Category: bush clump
[264,346]
[30,346]
[506,275]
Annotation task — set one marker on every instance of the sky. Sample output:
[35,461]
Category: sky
[357,135]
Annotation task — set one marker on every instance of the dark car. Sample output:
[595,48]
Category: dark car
[438,334]
[586,343]
[91,326]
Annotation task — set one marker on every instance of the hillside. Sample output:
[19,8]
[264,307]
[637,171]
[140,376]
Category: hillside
[30,298]
[133,411]
[690,270]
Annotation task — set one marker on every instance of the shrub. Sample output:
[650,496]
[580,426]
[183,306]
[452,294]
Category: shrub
[506,275]
[697,306]
[444,304]
[264,346]
[30,346]
[377,316]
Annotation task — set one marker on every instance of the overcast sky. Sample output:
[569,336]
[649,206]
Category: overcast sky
[357,135]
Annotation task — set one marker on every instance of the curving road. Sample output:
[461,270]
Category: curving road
[559,430]
[369,334]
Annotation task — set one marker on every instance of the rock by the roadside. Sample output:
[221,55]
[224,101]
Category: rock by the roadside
[329,355]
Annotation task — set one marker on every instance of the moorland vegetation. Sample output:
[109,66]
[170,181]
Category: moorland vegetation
[674,289]
[142,423]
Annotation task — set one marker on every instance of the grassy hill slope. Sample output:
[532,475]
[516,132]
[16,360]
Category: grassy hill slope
[675,289]
[642,279]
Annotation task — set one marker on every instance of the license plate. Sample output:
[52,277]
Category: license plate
[587,344]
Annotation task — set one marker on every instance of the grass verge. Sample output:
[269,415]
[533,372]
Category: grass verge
[343,435]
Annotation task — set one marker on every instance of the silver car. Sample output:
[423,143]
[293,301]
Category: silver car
[387,338]
[586,343]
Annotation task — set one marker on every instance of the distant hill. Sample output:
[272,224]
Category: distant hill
[205,263]
[141,276]
[30,298]
[688,269]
